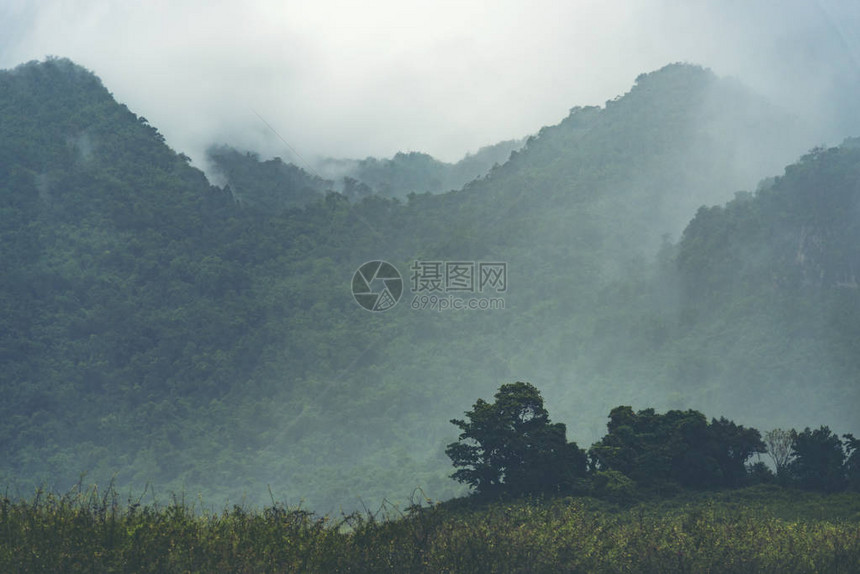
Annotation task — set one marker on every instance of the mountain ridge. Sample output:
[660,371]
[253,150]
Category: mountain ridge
[155,328]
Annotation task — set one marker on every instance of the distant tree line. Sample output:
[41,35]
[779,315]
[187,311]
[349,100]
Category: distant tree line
[510,446]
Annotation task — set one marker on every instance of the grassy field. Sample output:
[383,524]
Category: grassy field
[761,529]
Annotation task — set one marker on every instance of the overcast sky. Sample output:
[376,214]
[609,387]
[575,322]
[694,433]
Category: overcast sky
[353,79]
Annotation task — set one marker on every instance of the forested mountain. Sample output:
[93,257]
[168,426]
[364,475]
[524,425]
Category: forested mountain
[160,329]
[276,184]
[772,274]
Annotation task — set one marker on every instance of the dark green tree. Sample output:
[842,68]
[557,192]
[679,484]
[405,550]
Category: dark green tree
[511,446]
[675,447]
[818,460]
[647,446]
[731,445]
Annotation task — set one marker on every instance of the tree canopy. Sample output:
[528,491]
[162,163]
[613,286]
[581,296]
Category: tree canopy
[818,460]
[511,445]
[678,446]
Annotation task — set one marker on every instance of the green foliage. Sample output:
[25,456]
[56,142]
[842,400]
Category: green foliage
[678,446]
[614,486]
[818,460]
[510,446]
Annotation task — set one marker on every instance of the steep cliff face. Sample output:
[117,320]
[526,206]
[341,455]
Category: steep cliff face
[800,230]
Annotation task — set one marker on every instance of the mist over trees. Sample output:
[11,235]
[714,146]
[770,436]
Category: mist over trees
[157,328]
[414,172]
[274,184]
[270,185]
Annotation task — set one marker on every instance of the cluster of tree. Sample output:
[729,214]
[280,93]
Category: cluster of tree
[510,446]
[815,459]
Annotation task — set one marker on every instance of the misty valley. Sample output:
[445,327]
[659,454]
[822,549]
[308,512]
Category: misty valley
[647,359]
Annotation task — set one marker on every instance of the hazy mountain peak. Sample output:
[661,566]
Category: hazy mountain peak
[680,72]
[58,70]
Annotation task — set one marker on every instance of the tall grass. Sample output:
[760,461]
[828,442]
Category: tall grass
[85,531]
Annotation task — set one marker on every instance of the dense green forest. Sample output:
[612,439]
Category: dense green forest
[158,329]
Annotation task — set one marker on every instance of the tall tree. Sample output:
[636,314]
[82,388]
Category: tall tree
[778,442]
[818,460]
[511,446]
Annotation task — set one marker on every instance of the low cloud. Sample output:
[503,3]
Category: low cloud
[337,78]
